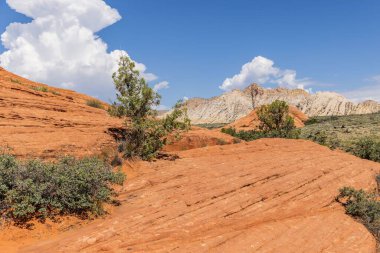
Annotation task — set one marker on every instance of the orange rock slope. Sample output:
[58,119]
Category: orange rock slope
[198,137]
[270,195]
[252,122]
[50,123]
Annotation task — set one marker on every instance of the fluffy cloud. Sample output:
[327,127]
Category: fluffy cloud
[59,46]
[161,86]
[369,92]
[261,70]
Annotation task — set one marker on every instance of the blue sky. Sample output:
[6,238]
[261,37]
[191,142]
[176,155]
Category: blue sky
[195,45]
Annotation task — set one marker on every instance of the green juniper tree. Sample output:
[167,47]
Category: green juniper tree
[145,134]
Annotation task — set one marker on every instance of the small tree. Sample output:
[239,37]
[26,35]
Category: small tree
[135,98]
[145,134]
[275,119]
[254,91]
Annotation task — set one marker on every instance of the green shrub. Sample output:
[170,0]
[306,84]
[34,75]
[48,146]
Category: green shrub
[211,125]
[15,81]
[41,88]
[311,121]
[95,103]
[322,138]
[220,141]
[275,118]
[275,123]
[143,139]
[366,148]
[255,135]
[56,93]
[362,205]
[36,189]
[321,119]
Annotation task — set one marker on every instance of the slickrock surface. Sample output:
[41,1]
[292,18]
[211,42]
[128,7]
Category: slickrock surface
[49,124]
[235,104]
[270,195]
[252,122]
[198,137]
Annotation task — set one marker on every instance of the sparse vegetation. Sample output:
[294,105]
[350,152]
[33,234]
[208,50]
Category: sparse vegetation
[15,81]
[252,135]
[363,206]
[357,134]
[40,88]
[244,135]
[56,93]
[145,134]
[36,189]
[220,141]
[366,148]
[212,125]
[95,103]
[322,138]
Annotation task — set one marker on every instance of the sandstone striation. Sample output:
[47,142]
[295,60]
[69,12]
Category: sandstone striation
[238,103]
[270,195]
[45,122]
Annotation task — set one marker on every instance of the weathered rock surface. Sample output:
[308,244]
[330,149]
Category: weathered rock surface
[50,123]
[198,137]
[238,103]
[270,195]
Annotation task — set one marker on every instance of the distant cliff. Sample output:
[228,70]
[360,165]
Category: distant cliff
[239,103]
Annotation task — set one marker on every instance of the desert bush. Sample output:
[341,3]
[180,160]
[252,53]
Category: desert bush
[212,125]
[362,205]
[177,119]
[321,119]
[36,189]
[57,93]
[95,103]
[41,88]
[255,135]
[145,135]
[220,141]
[322,138]
[275,118]
[366,148]
[15,81]
[275,122]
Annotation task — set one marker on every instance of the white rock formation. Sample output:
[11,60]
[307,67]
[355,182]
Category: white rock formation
[238,103]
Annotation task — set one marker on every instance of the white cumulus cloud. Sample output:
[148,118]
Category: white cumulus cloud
[59,46]
[161,86]
[261,70]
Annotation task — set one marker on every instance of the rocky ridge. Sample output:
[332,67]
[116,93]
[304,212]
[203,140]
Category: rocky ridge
[37,120]
[235,104]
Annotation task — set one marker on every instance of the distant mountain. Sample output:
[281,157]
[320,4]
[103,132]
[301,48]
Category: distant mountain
[238,103]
